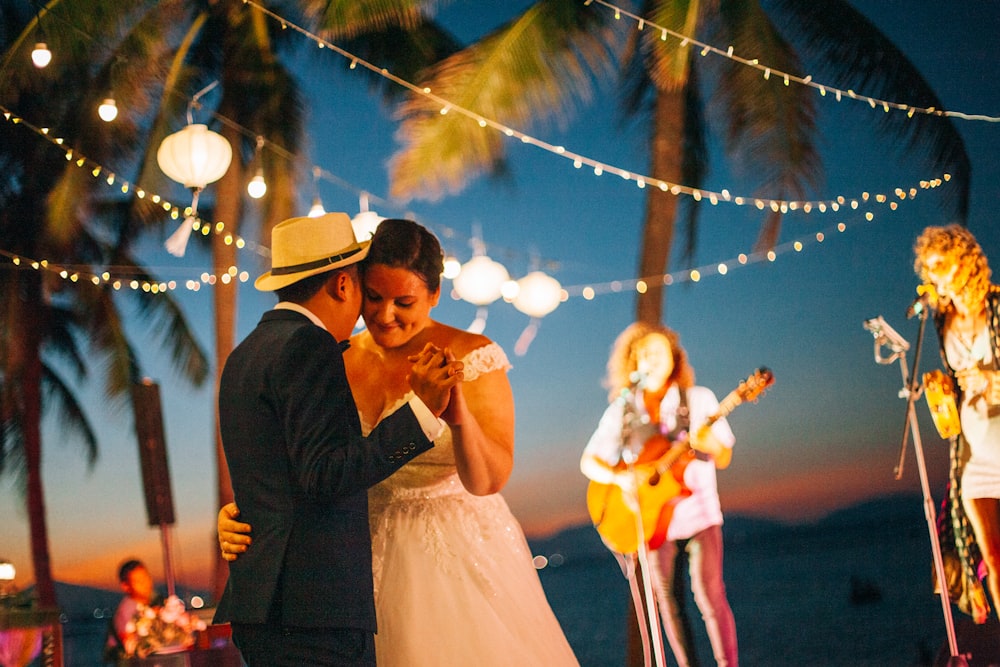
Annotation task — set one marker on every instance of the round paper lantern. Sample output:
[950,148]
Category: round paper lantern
[195,156]
[539,295]
[480,280]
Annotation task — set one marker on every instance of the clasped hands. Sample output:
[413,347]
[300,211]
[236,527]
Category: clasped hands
[435,378]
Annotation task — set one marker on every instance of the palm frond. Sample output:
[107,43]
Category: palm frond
[853,54]
[61,343]
[405,52]
[59,400]
[350,18]
[666,62]
[532,69]
[166,322]
[771,126]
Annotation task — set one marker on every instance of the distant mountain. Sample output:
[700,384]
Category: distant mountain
[896,508]
[583,542]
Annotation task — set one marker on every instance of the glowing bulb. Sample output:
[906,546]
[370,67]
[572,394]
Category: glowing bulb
[108,110]
[317,208]
[41,55]
[452,267]
[256,188]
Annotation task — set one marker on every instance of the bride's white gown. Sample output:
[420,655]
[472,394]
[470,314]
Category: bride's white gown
[454,581]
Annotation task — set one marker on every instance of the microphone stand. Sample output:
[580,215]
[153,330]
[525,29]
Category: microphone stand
[630,456]
[886,336]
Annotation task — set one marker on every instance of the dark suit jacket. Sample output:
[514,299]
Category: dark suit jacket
[301,470]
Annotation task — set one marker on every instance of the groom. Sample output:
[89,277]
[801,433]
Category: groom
[299,465]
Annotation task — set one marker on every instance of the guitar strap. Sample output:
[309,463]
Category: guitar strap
[683,421]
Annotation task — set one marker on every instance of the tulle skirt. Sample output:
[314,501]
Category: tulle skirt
[455,584]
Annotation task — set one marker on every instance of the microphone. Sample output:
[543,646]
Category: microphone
[927,298]
[886,335]
[637,378]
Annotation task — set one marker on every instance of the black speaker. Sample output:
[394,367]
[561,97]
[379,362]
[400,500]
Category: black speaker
[152,453]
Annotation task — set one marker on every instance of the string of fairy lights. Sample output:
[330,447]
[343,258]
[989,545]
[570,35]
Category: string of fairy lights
[600,168]
[788,78]
[113,275]
[587,291]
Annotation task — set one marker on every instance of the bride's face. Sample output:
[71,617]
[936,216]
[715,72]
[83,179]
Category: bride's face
[397,304]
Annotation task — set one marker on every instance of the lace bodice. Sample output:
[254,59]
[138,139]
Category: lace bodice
[433,468]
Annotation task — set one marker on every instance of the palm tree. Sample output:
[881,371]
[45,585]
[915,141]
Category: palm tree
[544,60]
[239,47]
[50,326]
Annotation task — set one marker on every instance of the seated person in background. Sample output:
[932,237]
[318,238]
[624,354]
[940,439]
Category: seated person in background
[137,583]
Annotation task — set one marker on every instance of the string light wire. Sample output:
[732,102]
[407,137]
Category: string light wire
[119,278]
[824,89]
[600,168]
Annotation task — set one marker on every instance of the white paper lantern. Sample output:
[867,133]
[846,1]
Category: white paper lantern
[480,280]
[539,295]
[195,156]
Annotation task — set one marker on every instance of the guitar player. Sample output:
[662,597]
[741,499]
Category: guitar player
[654,404]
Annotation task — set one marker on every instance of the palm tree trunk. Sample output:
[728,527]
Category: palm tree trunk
[26,363]
[44,585]
[661,207]
[228,208]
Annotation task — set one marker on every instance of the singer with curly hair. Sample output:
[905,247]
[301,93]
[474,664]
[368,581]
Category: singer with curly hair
[956,278]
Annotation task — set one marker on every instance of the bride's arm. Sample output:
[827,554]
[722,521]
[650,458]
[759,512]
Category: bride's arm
[482,417]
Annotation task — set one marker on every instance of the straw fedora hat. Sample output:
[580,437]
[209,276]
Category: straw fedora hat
[303,247]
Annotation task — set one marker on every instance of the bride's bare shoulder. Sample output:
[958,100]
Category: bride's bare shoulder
[459,341]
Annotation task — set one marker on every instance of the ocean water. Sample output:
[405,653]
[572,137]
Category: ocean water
[789,587]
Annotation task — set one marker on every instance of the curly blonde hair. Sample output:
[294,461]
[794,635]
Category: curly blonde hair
[622,361]
[956,244]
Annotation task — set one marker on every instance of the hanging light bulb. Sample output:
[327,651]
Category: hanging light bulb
[317,208]
[365,222]
[317,205]
[257,187]
[40,55]
[108,110]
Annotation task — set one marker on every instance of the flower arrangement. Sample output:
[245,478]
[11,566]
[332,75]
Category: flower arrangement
[155,629]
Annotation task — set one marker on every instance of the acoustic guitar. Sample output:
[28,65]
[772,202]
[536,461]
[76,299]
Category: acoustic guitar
[659,473]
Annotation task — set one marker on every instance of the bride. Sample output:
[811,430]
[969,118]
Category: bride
[454,581]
